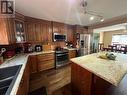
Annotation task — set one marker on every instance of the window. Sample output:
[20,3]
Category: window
[119,39]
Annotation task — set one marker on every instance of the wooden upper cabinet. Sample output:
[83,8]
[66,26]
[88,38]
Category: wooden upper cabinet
[70,34]
[12,29]
[81,29]
[64,29]
[20,31]
[19,27]
[56,28]
[47,31]
[59,28]
[38,30]
[30,32]
[7,34]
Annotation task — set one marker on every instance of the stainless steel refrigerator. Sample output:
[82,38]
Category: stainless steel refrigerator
[84,44]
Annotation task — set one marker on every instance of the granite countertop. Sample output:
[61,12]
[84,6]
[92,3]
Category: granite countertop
[20,59]
[110,70]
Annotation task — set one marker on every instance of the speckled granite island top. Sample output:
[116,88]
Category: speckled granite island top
[110,70]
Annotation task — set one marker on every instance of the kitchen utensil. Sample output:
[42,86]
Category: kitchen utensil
[2,51]
[38,48]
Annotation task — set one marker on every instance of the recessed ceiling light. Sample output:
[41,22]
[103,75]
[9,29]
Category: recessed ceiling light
[102,20]
[92,18]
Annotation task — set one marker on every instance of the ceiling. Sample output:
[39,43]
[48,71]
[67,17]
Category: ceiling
[111,28]
[69,11]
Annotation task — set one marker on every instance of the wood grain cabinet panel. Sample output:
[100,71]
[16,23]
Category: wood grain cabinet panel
[24,83]
[81,80]
[45,65]
[59,28]
[38,30]
[70,34]
[30,32]
[33,64]
[81,29]
[9,29]
[7,33]
[45,57]
[45,61]
[72,54]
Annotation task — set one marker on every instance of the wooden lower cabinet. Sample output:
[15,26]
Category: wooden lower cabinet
[24,84]
[45,61]
[102,87]
[45,65]
[86,83]
[33,64]
[81,80]
[72,54]
[41,62]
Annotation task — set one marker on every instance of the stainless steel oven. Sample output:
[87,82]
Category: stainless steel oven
[62,58]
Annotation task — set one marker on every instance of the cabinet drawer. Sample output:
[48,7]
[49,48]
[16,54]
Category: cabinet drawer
[72,54]
[44,57]
[44,65]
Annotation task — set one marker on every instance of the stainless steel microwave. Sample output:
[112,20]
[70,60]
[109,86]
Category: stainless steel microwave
[59,37]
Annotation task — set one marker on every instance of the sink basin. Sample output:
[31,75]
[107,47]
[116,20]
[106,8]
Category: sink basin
[8,76]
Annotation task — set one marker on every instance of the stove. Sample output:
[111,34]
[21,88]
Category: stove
[62,57]
[61,51]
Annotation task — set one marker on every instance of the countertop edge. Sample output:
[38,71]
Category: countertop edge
[96,74]
[19,77]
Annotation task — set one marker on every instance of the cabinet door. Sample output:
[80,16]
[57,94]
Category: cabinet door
[63,29]
[45,61]
[24,83]
[72,54]
[102,87]
[48,32]
[7,34]
[20,31]
[56,28]
[30,32]
[39,32]
[81,80]
[81,30]
[3,32]
[33,64]
[45,65]
[11,32]
[70,34]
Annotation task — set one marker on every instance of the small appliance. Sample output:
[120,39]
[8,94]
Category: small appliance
[38,48]
[9,54]
[28,48]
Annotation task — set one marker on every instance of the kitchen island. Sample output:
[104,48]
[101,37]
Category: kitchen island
[95,76]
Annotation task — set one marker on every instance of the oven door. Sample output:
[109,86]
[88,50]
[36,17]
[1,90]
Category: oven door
[62,59]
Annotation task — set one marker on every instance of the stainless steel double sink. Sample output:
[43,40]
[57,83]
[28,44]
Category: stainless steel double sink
[8,77]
